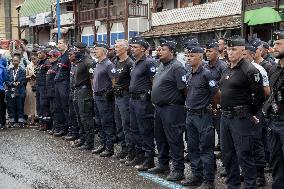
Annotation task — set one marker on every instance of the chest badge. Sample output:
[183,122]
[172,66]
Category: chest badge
[227,77]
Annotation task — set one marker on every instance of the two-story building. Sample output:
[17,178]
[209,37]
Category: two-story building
[109,20]
[205,19]
[262,17]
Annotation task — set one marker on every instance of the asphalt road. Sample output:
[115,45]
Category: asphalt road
[30,159]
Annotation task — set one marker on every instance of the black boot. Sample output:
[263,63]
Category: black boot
[192,181]
[176,175]
[108,152]
[121,154]
[147,164]
[130,156]
[160,169]
[99,150]
[138,160]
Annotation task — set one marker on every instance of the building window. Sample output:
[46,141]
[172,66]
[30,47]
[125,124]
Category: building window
[69,8]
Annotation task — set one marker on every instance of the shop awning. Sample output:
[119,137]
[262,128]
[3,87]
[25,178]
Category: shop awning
[32,7]
[265,15]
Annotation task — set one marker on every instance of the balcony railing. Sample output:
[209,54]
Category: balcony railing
[115,12]
[254,4]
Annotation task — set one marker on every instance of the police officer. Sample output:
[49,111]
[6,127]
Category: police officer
[141,108]
[199,124]
[241,97]
[41,87]
[16,92]
[222,50]
[216,67]
[62,89]
[52,114]
[123,66]
[83,95]
[73,133]
[258,45]
[265,55]
[274,109]
[168,95]
[104,99]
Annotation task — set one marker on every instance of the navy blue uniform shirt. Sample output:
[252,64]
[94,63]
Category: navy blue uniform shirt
[168,84]
[64,67]
[201,87]
[216,69]
[50,75]
[103,74]
[43,66]
[141,75]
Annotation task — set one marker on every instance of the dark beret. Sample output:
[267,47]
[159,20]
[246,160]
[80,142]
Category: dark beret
[80,45]
[236,40]
[54,53]
[256,42]
[190,42]
[42,50]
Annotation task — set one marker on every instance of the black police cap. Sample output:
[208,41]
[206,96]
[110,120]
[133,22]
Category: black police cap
[42,50]
[171,44]
[236,40]
[80,45]
[196,49]
[140,41]
[250,47]
[256,42]
[190,42]
[101,44]
[212,44]
[277,35]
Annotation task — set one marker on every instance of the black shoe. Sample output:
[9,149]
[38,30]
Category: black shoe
[138,160]
[85,147]
[192,181]
[70,138]
[76,145]
[99,150]
[21,125]
[107,153]
[122,154]
[159,169]
[147,164]
[175,175]
[51,132]
[223,172]
[130,156]
[59,134]
[207,185]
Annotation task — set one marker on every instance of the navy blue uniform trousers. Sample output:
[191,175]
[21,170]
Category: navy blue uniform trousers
[201,142]
[142,126]
[169,128]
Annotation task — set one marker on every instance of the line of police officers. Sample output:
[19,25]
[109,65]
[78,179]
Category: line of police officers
[137,103]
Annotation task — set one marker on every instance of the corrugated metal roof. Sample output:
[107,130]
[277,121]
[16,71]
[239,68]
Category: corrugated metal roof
[33,7]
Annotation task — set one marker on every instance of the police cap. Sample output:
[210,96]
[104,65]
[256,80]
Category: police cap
[250,47]
[256,42]
[140,41]
[42,50]
[170,44]
[212,44]
[277,35]
[101,44]
[190,42]
[80,45]
[196,49]
[236,40]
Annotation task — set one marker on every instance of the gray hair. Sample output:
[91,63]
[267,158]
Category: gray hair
[124,43]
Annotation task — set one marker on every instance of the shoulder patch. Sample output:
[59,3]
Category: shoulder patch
[113,70]
[153,69]
[183,78]
[212,83]
[91,70]
[256,77]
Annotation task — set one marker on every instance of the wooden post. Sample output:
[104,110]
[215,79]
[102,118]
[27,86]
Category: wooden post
[126,19]
[108,24]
